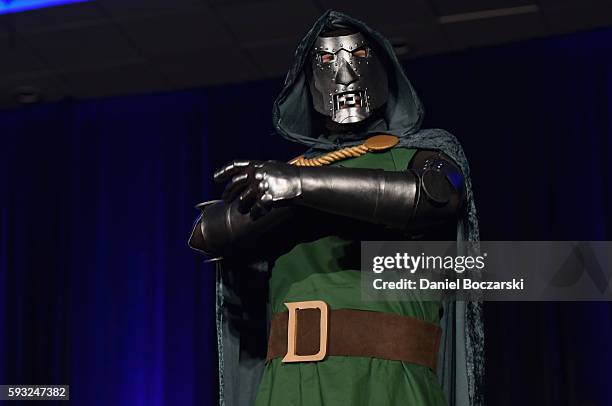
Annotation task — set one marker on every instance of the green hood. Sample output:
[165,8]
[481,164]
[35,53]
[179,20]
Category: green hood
[293,113]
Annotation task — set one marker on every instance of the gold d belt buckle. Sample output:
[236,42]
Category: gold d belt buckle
[292,327]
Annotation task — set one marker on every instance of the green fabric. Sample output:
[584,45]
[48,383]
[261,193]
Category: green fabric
[313,271]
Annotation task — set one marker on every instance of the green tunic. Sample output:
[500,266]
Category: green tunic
[312,271]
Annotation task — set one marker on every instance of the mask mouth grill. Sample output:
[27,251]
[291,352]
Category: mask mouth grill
[350,99]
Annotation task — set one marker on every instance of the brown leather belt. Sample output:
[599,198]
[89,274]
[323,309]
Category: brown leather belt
[310,332]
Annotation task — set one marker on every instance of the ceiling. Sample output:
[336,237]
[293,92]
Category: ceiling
[109,47]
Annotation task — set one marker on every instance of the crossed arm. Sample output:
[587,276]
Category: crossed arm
[260,195]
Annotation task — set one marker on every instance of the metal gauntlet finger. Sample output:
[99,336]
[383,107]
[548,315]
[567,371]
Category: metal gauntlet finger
[237,186]
[230,170]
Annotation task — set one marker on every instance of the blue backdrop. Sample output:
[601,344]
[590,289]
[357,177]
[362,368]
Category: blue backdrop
[99,290]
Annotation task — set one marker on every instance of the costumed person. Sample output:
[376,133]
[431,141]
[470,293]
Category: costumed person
[286,237]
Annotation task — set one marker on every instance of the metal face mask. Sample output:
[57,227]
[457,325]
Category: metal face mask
[348,80]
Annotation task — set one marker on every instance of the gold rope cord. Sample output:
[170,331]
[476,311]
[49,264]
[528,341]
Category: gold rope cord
[331,157]
[380,142]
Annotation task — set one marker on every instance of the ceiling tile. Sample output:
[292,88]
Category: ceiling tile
[571,3]
[412,39]
[268,20]
[5,25]
[448,7]
[385,12]
[52,18]
[120,8]
[95,46]
[273,57]
[193,42]
[17,58]
[174,32]
[494,30]
[205,68]
[233,2]
[567,18]
[127,79]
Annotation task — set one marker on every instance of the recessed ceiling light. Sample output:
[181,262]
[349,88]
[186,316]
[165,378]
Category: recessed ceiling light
[27,95]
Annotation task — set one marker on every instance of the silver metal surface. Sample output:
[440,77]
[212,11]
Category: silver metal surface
[348,80]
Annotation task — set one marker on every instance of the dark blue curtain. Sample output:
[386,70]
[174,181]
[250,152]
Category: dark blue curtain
[99,290]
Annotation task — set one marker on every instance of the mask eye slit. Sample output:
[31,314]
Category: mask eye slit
[326,57]
[361,52]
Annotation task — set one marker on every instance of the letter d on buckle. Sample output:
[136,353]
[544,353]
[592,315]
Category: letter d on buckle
[292,326]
